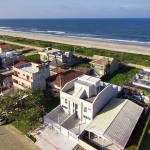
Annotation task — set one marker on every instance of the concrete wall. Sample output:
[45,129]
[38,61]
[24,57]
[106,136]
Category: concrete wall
[44,55]
[113,66]
[69,85]
[8,61]
[23,74]
[21,82]
[103,98]
[88,113]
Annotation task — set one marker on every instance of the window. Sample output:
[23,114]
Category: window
[31,77]
[85,109]
[86,117]
[27,77]
[64,107]
[98,89]
[23,74]
[89,109]
[65,100]
[18,72]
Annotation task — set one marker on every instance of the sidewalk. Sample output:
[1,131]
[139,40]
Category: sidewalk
[49,139]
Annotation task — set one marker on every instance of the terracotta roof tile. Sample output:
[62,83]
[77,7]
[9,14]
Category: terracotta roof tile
[84,70]
[4,45]
[61,79]
[59,70]
[20,63]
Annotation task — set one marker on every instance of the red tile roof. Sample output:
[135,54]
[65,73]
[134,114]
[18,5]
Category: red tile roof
[84,70]
[4,45]
[20,63]
[59,70]
[61,79]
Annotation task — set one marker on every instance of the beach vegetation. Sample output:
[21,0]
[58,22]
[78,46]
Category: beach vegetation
[16,47]
[138,59]
[33,58]
[122,76]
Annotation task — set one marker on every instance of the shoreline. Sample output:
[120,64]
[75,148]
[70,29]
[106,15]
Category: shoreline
[137,49]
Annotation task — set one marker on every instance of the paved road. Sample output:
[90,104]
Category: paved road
[12,139]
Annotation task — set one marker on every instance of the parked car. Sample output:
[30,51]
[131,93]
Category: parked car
[2,121]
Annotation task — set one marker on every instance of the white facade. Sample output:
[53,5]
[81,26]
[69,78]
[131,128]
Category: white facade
[86,96]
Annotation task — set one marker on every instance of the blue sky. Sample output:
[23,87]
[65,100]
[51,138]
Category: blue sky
[74,8]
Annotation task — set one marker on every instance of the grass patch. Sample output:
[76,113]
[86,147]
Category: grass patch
[33,58]
[27,114]
[32,138]
[122,75]
[124,57]
[15,47]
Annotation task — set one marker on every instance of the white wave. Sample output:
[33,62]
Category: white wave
[5,27]
[6,30]
[114,40]
[38,31]
[87,34]
[56,32]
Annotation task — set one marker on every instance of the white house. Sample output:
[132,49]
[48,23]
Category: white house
[81,100]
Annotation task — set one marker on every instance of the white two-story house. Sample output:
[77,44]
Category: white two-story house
[81,100]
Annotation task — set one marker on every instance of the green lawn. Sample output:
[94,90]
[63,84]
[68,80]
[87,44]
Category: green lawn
[33,58]
[16,47]
[122,75]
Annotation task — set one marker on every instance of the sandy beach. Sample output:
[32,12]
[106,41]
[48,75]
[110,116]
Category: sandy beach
[83,42]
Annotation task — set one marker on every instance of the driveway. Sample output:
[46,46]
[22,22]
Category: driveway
[12,139]
[49,139]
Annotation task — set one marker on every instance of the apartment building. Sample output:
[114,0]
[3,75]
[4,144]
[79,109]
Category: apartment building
[4,47]
[30,75]
[103,65]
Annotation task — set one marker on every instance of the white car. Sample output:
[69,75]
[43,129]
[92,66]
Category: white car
[2,121]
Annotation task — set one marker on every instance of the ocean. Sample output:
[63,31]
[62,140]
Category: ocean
[126,31]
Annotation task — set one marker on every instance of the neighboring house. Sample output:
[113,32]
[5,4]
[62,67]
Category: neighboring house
[56,82]
[141,80]
[45,54]
[104,65]
[81,99]
[4,47]
[113,126]
[64,59]
[9,58]
[58,58]
[30,75]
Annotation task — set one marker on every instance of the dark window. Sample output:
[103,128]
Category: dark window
[65,100]
[85,109]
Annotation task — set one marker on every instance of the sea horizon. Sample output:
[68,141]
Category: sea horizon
[134,31]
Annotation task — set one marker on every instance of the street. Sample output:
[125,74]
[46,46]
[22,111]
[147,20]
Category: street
[12,139]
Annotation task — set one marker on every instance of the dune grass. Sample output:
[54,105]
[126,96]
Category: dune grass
[125,57]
